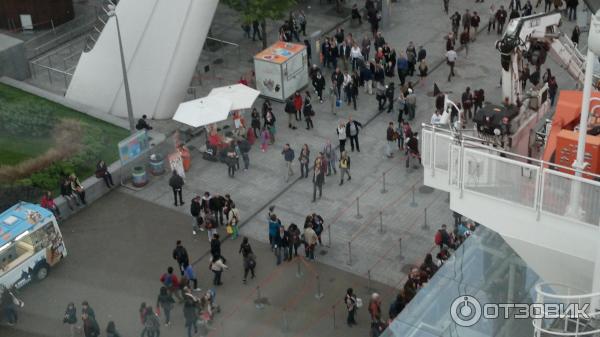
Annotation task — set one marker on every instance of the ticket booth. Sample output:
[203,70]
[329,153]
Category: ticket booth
[281,70]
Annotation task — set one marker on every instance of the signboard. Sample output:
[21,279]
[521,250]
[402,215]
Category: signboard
[133,146]
[176,163]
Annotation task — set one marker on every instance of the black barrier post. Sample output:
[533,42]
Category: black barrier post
[380,222]
[413,203]
[425,225]
[383,190]
[318,294]
[358,215]
[400,256]
[258,301]
[333,311]
[299,272]
[349,253]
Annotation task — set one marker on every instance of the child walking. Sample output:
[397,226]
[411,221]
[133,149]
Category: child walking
[264,139]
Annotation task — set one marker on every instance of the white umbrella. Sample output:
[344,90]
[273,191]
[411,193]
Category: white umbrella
[242,96]
[203,111]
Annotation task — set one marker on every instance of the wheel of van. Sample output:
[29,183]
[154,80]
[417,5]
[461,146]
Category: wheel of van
[41,272]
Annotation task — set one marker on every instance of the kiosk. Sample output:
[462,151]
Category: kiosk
[281,70]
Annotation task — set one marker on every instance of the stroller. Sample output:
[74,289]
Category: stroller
[207,310]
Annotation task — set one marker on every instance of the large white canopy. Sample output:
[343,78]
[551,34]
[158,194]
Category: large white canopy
[203,111]
[241,96]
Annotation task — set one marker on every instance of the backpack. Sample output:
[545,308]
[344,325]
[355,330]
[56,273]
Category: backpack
[438,238]
[168,281]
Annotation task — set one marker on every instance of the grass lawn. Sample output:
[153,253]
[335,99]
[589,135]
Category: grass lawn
[15,149]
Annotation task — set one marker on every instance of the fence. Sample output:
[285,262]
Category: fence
[512,178]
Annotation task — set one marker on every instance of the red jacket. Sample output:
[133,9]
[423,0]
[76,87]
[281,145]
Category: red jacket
[298,102]
[47,203]
[174,282]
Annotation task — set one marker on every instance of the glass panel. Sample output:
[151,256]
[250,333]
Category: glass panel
[557,197]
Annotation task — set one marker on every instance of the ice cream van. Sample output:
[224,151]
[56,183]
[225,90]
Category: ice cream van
[30,244]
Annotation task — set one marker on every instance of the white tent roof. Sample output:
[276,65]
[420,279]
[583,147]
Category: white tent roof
[241,96]
[203,111]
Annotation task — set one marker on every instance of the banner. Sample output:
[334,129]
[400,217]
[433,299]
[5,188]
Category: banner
[176,163]
[132,146]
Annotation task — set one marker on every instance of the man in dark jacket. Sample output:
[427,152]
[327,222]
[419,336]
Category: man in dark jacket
[319,84]
[181,256]
[215,247]
[142,124]
[501,19]
[216,204]
[337,79]
[176,183]
[281,244]
[288,156]
[352,129]
[195,209]
[290,109]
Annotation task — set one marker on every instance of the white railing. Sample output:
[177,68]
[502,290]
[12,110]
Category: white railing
[566,324]
[490,172]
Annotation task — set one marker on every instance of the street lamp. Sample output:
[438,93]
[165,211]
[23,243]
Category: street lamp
[112,13]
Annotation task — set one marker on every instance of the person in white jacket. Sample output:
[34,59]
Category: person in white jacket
[217,266]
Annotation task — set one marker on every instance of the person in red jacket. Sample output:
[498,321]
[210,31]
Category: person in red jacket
[48,203]
[171,282]
[298,105]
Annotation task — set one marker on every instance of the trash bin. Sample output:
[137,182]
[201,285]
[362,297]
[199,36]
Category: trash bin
[139,176]
[157,165]
[186,158]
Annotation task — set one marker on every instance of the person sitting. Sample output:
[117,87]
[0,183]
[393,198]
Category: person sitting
[48,203]
[142,124]
[77,188]
[102,172]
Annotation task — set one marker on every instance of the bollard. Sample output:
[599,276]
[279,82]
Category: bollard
[400,249]
[425,225]
[299,272]
[258,301]
[413,203]
[285,321]
[349,253]
[329,236]
[358,216]
[369,280]
[380,222]
[318,294]
[333,311]
[383,190]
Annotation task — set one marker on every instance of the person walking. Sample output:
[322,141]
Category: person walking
[255,122]
[366,76]
[190,313]
[249,258]
[215,246]
[391,139]
[288,156]
[195,211]
[351,305]
[264,139]
[389,94]
[304,159]
[319,84]
[492,19]
[341,133]
[70,318]
[467,102]
[295,239]
[102,172]
[256,30]
[190,275]
[319,176]
[501,15]
[181,256]
[475,20]
[330,158]
[290,109]
[308,111]
[234,220]
[298,105]
[352,130]
[311,238]
[375,307]
[451,60]
[151,323]
[90,326]
[171,282]
[281,246]
[217,266]
[166,302]
[176,182]
[344,167]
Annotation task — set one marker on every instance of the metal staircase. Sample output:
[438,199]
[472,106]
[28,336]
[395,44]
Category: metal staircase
[566,325]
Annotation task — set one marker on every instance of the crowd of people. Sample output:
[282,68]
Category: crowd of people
[447,242]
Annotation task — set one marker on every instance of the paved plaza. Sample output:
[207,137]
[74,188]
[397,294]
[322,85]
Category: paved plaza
[120,245]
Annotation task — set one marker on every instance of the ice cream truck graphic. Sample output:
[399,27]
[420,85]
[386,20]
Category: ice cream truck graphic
[30,244]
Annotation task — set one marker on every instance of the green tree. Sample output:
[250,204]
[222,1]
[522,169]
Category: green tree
[261,10]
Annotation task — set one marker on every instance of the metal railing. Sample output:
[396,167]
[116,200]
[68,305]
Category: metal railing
[572,324]
[541,186]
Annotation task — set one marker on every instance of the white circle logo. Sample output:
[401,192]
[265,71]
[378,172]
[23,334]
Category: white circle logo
[465,311]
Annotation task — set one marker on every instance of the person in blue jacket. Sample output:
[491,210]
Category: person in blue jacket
[274,225]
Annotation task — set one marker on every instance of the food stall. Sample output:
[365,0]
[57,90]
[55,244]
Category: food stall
[281,70]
